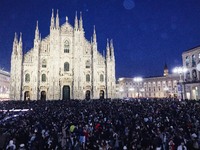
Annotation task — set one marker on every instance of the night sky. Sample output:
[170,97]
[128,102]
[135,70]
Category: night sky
[146,33]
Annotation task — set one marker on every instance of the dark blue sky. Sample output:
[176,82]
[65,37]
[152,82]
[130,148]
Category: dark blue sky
[146,33]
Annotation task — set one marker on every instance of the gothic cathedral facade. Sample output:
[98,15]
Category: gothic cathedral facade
[63,65]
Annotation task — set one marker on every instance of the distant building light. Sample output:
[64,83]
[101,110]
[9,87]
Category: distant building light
[180,70]
[142,90]
[131,89]
[137,79]
[166,88]
[121,79]
[121,90]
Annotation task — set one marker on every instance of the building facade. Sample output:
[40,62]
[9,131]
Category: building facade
[4,85]
[191,84]
[151,87]
[63,65]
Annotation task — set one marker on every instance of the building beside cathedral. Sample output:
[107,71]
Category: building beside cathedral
[191,83]
[149,87]
[4,85]
[63,65]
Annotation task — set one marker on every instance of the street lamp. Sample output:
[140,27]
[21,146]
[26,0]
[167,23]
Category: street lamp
[138,80]
[180,70]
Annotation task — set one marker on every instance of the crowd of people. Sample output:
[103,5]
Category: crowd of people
[138,124]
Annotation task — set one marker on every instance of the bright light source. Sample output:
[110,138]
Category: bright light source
[120,79]
[166,88]
[121,90]
[180,70]
[131,89]
[137,79]
[142,90]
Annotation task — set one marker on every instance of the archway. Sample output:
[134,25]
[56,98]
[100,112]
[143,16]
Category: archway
[66,92]
[101,94]
[26,95]
[87,95]
[43,96]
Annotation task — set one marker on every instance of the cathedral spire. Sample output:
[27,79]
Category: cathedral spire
[76,22]
[81,22]
[20,44]
[107,50]
[94,36]
[57,20]
[37,32]
[20,39]
[112,55]
[15,42]
[52,20]
[15,39]
[107,46]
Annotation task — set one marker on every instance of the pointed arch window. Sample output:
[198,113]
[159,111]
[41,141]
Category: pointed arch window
[87,78]
[66,66]
[44,63]
[101,78]
[66,47]
[44,78]
[87,64]
[27,77]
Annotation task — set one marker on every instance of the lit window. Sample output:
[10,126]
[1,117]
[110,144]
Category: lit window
[66,47]
[66,66]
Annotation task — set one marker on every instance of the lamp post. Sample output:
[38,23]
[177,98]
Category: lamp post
[180,70]
[138,80]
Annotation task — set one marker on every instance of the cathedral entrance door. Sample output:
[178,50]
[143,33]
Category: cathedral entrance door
[26,95]
[43,96]
[87,95]
[66,92]
[101,95]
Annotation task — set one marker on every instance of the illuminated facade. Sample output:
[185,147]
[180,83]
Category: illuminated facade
[63,65]
[191,59]
[4,85]
[155,87]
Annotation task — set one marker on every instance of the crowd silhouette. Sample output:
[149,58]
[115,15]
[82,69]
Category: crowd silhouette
[137,124]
